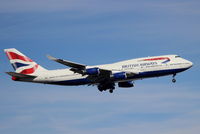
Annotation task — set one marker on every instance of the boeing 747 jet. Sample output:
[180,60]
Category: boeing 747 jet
[105,77]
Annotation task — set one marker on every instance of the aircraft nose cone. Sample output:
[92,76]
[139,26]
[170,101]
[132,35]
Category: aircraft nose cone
[190,64]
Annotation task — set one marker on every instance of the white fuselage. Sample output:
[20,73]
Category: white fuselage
[143,68]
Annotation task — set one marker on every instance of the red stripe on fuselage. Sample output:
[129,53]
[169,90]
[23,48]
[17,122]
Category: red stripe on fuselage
[160,58]
[14,56]
[30,70]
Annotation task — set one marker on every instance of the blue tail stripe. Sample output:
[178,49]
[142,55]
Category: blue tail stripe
[18,65]
[13,66]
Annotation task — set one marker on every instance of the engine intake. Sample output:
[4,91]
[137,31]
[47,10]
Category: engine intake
[92,71]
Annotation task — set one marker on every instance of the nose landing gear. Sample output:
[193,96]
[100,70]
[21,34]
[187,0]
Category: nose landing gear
[174,80]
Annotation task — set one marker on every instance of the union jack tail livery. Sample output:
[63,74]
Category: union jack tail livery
[22,64]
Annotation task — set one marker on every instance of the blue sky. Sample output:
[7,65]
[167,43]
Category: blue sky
[97,32]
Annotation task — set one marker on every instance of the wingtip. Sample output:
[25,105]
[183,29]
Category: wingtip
[9,73]
[50,57]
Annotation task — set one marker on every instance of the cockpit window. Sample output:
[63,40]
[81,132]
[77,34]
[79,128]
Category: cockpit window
[177,56]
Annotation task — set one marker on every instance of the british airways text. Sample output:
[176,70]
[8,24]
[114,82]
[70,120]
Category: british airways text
[137,65]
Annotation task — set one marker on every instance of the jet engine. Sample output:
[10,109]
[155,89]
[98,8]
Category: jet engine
[119,76]
[92,71]
[126,84]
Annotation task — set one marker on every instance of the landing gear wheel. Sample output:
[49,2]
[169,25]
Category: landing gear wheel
[173,80]
[100,90]
[111,90]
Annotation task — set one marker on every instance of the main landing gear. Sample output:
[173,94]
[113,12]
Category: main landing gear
[107,86]
[111,90]
[174,80]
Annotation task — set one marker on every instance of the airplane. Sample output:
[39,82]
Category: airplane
[105,77]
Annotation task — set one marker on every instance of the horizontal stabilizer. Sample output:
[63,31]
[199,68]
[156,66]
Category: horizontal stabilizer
[18,75]
[67,63]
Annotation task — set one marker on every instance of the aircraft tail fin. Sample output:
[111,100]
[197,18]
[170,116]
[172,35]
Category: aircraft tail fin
[23,64]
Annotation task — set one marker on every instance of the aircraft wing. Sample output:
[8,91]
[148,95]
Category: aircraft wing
[67,63]
[104,74]
[75,67]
